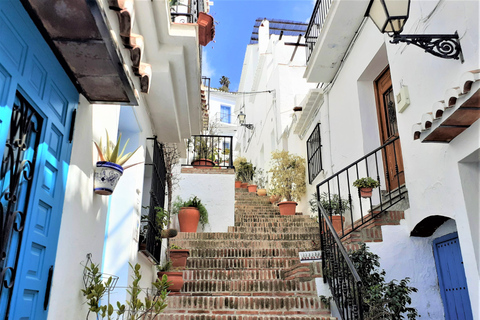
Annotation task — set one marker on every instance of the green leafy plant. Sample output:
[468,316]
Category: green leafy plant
[332,203]
[367,182]
[381,299]
[288,175]
[96,289]
[111,152]
[192,202]
[165,267]
[246,172]
[326,300]
[260,178]
[236,164]
[175,247]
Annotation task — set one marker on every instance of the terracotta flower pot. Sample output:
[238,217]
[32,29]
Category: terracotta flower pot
[238,184]
[287,208]
[244,185]
[107,175]
[188,218]
[175,277]
[203,163]
[252,188]
[366,192]
[337,222]
[262,192]
[179,257]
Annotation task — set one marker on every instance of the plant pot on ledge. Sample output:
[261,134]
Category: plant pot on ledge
[179,257]
[252,188]
[262,192]
[188,218]
[287,208]
[203,163]
[238,184]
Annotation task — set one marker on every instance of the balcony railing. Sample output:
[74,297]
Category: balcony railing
[150,239]
[210,151]
[186,11]
[316,24]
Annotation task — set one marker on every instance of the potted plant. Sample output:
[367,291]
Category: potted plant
[246,172]
[236,165]
[190,214]
[334,205]
[205,153]
[179,256]
[365,186]
[260,181]
[288,180]
[173,276]
[110,167]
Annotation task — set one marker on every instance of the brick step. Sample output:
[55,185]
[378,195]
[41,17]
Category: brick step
[247,274]
[255,209]
[239,305]
[244,236]
[249,288]
[277,224]
[241,263]
[302,245]
[303,271]
[231,315]
[242,253]
[282,229]
[284,219]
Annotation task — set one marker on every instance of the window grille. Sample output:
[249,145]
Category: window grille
[314,154]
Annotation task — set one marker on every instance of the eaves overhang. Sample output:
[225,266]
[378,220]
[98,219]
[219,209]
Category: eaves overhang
[79,35]
[449,117]
[344,18]
[310,106]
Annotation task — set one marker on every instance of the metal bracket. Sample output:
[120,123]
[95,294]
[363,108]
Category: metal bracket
[440,45]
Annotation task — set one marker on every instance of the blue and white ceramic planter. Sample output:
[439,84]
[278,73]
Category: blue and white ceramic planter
[107,175]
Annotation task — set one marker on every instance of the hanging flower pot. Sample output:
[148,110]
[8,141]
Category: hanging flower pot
[175,277]
[188,218]
[252,188]
[287,208]
[107,175]
[366,192]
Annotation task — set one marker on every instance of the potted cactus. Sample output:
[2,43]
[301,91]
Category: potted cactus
[365,186]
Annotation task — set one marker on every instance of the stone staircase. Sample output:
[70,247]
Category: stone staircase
[253,271]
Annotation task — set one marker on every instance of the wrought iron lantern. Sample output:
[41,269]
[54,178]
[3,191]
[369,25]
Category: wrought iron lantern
[241,119]
[390,17]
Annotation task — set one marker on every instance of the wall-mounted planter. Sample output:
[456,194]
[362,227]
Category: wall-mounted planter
[107,175]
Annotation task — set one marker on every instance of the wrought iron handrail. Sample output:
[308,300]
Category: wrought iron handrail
[339,271]
[315,26]
[209,151]
[335,192]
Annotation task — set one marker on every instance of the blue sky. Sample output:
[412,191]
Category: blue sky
[234,25]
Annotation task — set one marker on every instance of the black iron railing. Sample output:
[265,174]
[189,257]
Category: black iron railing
[186,11]
[339,197]
[210,151]
[339,271]
[150,239]
[314,154]
[316,24]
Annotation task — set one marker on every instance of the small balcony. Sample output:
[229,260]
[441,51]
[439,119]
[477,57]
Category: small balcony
[185,11]
[331,29]
[210,151]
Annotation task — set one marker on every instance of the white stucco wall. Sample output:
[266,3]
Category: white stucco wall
[217,193]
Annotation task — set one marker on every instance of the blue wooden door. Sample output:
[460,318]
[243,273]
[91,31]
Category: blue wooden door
[451,278]
[36,103]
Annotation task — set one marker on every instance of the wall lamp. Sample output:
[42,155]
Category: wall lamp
[241,119]
[390,17]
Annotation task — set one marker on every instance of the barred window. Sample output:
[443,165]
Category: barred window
[314,154]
